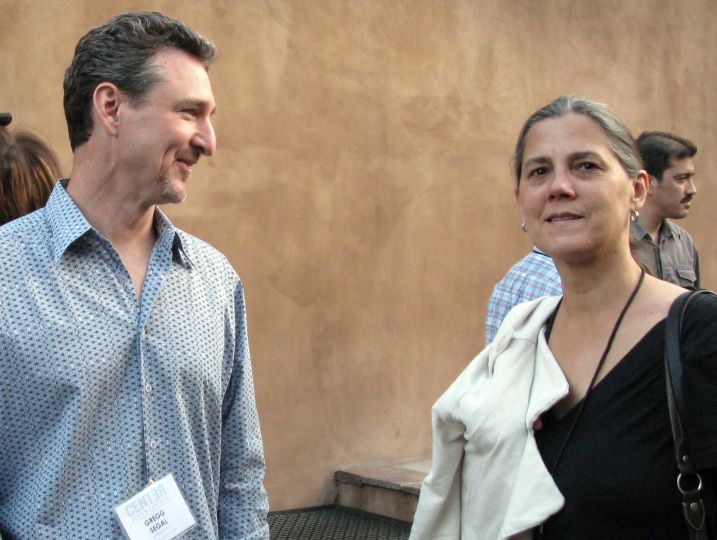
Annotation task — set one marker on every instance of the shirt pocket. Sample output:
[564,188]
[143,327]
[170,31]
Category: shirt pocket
[686,276]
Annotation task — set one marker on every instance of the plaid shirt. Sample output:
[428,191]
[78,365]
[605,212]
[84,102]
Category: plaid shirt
[532,277]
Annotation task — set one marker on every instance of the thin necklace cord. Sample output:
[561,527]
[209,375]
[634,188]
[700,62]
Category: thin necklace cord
[599,366]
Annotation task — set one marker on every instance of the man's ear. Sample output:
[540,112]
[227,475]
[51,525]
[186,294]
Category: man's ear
[106,101]
[650,182]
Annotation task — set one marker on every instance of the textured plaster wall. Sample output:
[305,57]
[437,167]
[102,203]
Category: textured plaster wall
[362,187]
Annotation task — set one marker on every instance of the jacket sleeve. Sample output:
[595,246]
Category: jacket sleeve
[438,515]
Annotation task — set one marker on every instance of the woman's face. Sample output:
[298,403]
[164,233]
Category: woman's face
[573,193]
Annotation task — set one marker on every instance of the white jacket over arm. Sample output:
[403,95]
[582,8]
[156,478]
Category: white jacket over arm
[488,480]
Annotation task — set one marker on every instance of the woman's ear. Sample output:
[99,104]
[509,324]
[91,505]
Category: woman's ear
[640,186]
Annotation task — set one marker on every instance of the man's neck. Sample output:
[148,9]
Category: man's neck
[118,217]
[651,221]
[103,199]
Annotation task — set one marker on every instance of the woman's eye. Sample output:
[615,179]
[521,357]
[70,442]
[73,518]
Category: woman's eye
[538,171]
[587,166]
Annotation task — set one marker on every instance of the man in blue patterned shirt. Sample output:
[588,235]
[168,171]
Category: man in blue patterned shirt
[532,277]
[123,340]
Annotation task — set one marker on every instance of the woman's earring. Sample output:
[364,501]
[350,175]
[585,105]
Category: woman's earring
[634,214]
[524,227]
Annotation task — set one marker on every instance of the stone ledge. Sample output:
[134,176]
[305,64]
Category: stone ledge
[405,477]
[383,488]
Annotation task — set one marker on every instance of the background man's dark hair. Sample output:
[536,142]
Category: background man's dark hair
[658,148]
[121,52]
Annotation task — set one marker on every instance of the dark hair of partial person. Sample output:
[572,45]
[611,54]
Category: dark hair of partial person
[659,148]
[28,172]
[121,52]
[618,135]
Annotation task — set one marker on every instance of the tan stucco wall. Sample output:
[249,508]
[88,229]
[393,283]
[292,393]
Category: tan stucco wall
[361,186]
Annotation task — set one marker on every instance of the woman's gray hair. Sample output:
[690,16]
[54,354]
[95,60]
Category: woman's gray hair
[618,135]
[121,52]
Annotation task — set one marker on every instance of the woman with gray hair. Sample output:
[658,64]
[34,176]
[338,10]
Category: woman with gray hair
[560,429]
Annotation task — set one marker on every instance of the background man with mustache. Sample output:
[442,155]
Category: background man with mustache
[666,249]
[125,378]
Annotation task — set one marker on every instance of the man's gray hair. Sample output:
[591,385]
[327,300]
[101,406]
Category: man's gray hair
[121,52]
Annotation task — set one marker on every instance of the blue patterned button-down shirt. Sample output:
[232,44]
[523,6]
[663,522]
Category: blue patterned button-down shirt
[100,393]
[532,277]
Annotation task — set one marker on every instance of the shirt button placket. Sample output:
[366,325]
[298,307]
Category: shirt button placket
[146,391]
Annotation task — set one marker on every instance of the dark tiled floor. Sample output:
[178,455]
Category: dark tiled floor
[334,524]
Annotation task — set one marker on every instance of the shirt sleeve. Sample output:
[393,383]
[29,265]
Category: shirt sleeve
[530,278]
[699,359]
[497,310]
[243,502]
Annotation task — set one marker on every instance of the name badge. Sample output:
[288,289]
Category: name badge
[158,512]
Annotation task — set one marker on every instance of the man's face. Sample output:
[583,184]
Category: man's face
[164,136]
[672,196]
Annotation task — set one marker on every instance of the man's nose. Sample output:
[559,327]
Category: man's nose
[691,188]
[205,139]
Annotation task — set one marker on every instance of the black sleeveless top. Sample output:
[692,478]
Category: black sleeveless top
[618,473]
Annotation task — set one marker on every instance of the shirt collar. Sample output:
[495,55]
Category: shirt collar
[169,236]
[66,221]
[67,224]
[539,251]
[639,231]
[667,230]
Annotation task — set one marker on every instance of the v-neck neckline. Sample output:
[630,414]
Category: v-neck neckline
[608,377]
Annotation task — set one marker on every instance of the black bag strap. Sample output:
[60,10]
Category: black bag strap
[689,481]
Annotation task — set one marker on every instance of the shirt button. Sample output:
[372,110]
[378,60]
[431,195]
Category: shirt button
[148,388]
[153,444]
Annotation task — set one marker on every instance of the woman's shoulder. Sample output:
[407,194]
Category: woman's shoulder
[701,313]
[701,310]
[704,300]
[663,289]
[653,303]
[698,348]
[698,334]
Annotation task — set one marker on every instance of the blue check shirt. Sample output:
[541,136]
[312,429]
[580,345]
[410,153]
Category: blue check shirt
[532,277]
[100,393]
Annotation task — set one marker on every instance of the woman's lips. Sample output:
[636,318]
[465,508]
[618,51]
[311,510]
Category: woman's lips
[562,217]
